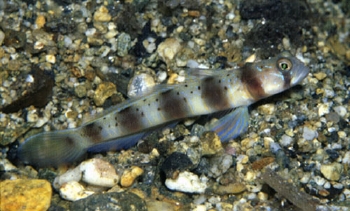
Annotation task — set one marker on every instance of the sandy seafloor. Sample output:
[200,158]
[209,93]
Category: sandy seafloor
[62,62]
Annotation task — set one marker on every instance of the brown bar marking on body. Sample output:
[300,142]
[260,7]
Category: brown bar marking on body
[93,131]
[252,82]
[214,94]
[173,105]
[130,119]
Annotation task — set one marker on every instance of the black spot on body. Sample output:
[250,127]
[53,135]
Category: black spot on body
[173,105]
[213,94]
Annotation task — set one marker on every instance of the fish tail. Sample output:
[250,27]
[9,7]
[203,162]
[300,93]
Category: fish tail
[53,148]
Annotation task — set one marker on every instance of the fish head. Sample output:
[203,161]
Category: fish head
[268,77]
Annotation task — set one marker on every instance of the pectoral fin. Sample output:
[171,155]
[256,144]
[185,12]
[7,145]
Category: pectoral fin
[232,124]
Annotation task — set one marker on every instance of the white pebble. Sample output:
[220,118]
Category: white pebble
[30,78]
[67,41]
[69,176]
[162,76]
[286,140]
[309,134]
[323,109]
[346,158]
[319,180]
[90,32]
[187,182]
[2,37]
[341,110]
[73,191]
[51,58]
[99,172]
[140,85]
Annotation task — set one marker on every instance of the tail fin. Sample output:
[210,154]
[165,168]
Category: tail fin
[53,148]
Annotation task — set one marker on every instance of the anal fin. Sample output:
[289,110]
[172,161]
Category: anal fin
[117,144]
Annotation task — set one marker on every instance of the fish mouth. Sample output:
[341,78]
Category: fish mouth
[300,72]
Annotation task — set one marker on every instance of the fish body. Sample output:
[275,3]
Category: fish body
[124,124]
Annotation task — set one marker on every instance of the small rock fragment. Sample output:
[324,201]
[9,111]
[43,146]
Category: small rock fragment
[168,49]
[74,191]
[129,176]
[309,134]
[211,143]
[320,76]
[332,171]
[98,172]
[219,165]
[102,15]
[40,21]
[80,91]
[23,194]
[174,163]
[260,164]
[104,91]
[123,44]
[110,201]
[187,182]
[140,85]
[2,37]
[232,188]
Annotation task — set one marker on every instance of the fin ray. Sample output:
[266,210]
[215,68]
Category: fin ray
[231,125]
[53,148]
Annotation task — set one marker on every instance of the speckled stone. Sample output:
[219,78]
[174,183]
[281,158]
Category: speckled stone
[23,195]
[211,143]
[104,91]
[130,175]
[110,201]
[232,188]
[332,171]
[102,15]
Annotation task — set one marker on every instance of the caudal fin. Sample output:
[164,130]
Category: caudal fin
[53,148]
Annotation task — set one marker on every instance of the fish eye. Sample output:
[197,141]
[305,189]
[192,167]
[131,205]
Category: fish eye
[284,64]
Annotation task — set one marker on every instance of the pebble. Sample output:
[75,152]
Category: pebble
[309,134]
[211,143]
[74,191]
[232,188]
[50,58]
[102,15]
[323,109]
[80,91]
[123,44]
[332,171]
[110,201]
[98,172]
[104,91]
[129,176]
[175,163]
[2,37]
[40,21]
[346,158]
[320,76]
[219,165]
[140,85]
[168,49]
[94,172]
[187,182]
[286,140]
[25,195]
[341,110]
